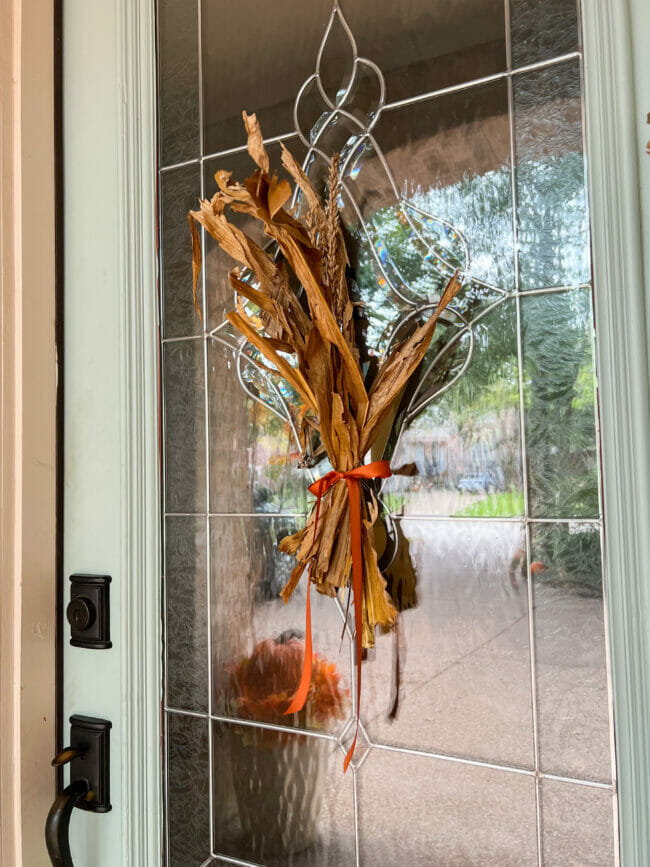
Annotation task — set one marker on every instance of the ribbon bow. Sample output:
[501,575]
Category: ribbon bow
[375,470]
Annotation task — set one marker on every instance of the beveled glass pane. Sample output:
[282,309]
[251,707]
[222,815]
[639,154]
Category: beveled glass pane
[560,405]
[541,29]
[258,641]
[463,648]
[577,824]
[572,693]
[466,442]
[421,811]
[253,445]
[184,426]
[188,790]
[419,48]
[450,157]
[281,799]
[179,191]
[186,613]
[553,223]
[178,80]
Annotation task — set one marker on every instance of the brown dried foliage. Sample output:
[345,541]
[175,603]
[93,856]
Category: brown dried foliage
[311,344]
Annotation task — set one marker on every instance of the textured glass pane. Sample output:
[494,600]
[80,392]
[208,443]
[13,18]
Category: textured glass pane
[420,811]
[542,28]
[450,157]
[257,640]
[282,799]
[419,47]
[465,443]
[551,200]
[188,791]
[253,447]
[178,80]
[570,651]
[463,649]
[577,825]
[184,428]
[179,191]
[560,405]
[186,613]
[218,264]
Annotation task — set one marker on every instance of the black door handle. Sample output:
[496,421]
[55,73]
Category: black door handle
[89,789]
[57,826]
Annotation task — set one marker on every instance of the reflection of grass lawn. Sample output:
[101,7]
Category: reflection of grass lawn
[500,505]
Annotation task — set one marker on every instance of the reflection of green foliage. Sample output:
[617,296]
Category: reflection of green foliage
[571,556]
[499,505]
[560,429]
[584,389]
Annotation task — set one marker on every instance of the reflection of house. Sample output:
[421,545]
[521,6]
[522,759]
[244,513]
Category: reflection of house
[444,453]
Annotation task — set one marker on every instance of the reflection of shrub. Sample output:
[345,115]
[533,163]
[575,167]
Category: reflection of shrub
[572,559]
[261,686]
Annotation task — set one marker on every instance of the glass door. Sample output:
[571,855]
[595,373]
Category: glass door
[486,731]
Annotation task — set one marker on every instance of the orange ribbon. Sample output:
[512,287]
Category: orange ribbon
[375,470]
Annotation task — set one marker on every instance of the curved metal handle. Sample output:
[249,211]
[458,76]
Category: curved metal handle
[57,826]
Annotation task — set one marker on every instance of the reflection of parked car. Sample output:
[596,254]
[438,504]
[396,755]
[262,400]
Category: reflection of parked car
[484,481]
[474,483]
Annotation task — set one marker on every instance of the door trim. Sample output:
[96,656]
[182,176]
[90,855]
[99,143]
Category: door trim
[621,299]
[140,615]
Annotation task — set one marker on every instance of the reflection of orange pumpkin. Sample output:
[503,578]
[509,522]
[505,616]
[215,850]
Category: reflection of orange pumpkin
[262,684]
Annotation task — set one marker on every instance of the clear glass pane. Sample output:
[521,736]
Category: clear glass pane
[419,49]
[188,790]
[560,405]
[450,157]
[179,191]
[178,80]
[553,223]
[572,693]
[462,647]
[465,443]
[186,614]
[541,29]
[577,825]
[282,799]
[439,812]
[257,640]
[184,426]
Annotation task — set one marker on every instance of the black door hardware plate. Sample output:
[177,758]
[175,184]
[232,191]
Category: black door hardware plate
[91,737]
[88,611]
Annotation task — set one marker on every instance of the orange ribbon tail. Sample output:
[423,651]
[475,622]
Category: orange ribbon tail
[375,470]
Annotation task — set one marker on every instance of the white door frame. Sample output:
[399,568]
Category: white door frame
[614,32]
[112,43]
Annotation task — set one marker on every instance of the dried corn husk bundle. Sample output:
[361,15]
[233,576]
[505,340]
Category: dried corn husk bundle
[309,339]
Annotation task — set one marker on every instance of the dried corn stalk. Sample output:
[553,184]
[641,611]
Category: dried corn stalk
[310,341]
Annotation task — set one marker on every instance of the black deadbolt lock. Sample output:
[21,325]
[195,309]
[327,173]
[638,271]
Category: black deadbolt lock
[88,612]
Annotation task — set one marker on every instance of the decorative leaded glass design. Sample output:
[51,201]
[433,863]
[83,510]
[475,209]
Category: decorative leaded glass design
[460,129]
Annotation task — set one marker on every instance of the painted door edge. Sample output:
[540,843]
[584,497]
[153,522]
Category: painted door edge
[622,370]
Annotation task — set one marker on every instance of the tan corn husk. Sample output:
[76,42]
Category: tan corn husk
[319,337]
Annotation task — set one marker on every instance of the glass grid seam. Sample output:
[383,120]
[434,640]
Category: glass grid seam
[522,428]
[430,754]
[507,519]
[389,106]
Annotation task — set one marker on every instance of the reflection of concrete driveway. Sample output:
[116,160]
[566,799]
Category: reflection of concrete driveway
[466,691]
